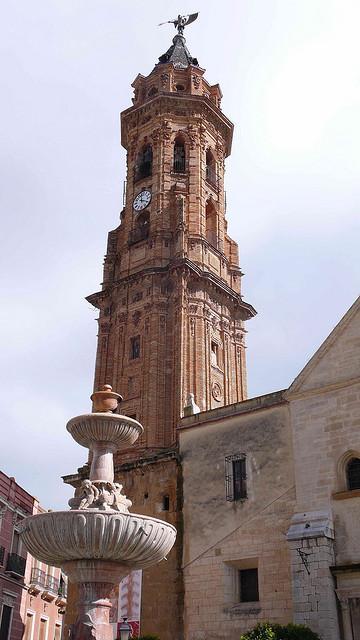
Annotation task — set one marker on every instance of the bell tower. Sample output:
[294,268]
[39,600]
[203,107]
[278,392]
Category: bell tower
[171,312]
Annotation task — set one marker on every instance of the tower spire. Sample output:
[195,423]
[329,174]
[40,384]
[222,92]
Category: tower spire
[178,54]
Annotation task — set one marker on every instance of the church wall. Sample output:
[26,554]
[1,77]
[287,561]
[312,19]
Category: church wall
[222,537]
[150,483]
[326,428]
[325,414]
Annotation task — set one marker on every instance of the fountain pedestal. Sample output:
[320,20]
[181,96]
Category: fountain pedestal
[98,542]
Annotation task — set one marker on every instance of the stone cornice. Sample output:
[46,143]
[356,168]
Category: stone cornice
[167,104]
[259,403]
[184,264]
[316,391]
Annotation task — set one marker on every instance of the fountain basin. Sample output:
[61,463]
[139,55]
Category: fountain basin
[135,541]
[112,428]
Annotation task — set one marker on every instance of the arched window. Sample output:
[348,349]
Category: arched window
[143,167]
[211,224]
[210,168]
[353,474]
[179,156]
[141,229]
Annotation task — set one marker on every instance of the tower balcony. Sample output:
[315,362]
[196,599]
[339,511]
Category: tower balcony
[138,234]
[143,170]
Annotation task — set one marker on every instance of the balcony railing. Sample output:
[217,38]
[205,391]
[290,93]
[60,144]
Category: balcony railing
[212,238]
[38,577]
[138,234]
[16,564]
[52,584]
[211,175]
[143,170]
[2,555]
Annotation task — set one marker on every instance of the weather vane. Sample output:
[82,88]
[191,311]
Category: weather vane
[181,22]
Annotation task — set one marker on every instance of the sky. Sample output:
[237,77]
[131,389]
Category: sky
[289,72]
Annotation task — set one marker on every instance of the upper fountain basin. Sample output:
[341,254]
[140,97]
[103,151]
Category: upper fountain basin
[130,539]
[104,427]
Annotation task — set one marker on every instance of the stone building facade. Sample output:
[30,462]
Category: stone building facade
[290,520]
[171,318]
[32,595]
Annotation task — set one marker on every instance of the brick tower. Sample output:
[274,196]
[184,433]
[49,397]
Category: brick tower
[171,312]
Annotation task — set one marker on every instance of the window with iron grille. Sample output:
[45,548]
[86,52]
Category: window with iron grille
[248,585]
[235,477]
[353,474]
[143,166]
[179,157]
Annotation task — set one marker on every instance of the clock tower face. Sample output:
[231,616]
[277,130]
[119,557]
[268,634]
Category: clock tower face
[142,200]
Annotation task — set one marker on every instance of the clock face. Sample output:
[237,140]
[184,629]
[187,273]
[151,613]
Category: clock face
[142,200]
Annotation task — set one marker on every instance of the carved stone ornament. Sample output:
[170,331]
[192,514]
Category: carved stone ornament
[98,542]
[180,206]
[193,135]
[216,391]
[136,317]
[164,79]
[100,495]
[196,81]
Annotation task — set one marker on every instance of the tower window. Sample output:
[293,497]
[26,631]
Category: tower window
[353,474]
[248,585]
[180,87]
[134,347]
[141,229]
[210,168]
[235,477]
[211,224]
[214,353]
[143,167]
[179,156]
[166,503]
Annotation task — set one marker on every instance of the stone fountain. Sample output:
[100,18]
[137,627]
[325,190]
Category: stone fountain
[98,542]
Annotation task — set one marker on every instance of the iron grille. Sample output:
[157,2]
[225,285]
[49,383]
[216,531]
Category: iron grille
[179,158]
[51,583]
[16,564]
[143,170]
[38,577]
[235,477]
[211,175]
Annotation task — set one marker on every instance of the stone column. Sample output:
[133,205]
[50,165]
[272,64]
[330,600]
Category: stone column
[346,616]
[311,541]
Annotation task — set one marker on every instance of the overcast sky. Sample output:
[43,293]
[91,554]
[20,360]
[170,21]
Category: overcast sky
[289,72]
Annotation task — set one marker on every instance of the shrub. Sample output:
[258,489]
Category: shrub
[272,631]
[294,632]
[262,631]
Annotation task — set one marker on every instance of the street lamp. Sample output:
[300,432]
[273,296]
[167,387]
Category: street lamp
[125,629]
